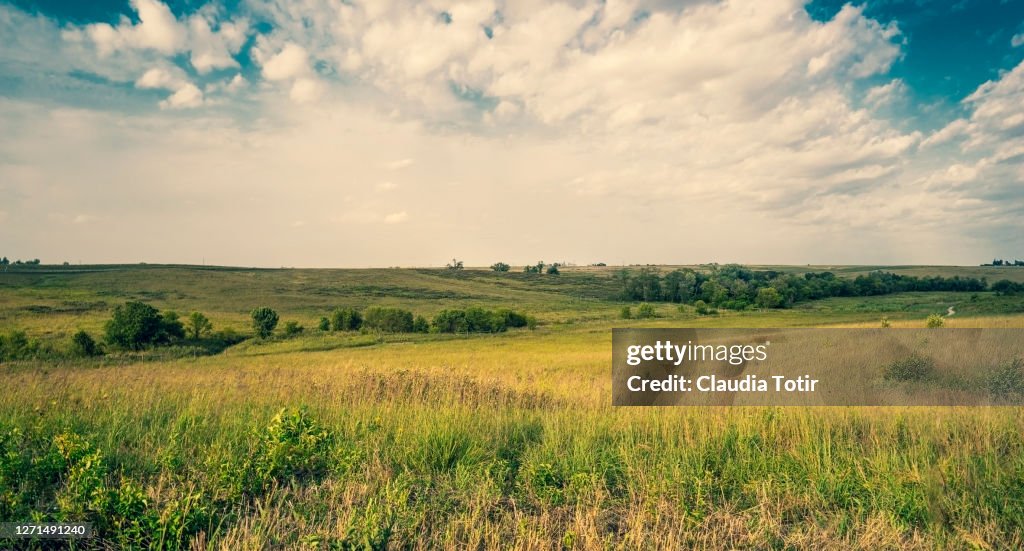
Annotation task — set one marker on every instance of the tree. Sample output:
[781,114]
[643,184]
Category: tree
[392,320]
[171,328]
[324,325]
[292,328]
[83,345]
[346,319]
[136,324]
[500,267]
[264,320]
[420,325]
[768,297]
[454,265]
[626,313]
[198,326]
[553,269]
[645,310]
[4,261]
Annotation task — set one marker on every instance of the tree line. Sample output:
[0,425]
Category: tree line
[735,287]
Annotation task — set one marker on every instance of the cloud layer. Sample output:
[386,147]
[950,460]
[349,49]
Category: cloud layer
[408,132]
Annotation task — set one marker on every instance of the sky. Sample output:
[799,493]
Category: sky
[348,133]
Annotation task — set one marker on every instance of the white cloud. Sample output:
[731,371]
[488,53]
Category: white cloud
[886,93]
[724,119]
[157,29]
[292,61]
[187,96]
[215,50]
[306,90]
[1017,40]
[162,78]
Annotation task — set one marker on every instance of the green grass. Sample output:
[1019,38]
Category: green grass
[347,440]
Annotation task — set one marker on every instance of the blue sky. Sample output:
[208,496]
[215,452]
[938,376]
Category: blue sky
[405,133]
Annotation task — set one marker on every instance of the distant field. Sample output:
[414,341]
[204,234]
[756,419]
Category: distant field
[352,441]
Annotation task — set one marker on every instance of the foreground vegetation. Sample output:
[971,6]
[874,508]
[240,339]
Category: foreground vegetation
[341,439]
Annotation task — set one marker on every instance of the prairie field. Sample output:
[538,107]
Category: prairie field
[358,440]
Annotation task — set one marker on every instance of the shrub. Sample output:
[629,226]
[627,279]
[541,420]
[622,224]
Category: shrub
[479,320]
[512,319]
[346,319]
[626,313]
[198,326]
[645,311]
[264,320]
[292,328]
[500,267]
[553,269]
[324,325]
[934,321]
[1008,379]
[885,322]
[420,325]
[83,345]
[392,320]
[17,346]
[702,309]
[912,368]
[136,324]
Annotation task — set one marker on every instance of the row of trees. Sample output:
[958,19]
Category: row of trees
[398,320]
[1001,262]
[736,287]
[538,268]
[6,262]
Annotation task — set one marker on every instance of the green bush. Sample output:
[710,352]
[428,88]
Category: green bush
[292,328]
[645,311]
[480,320]
[83,345]
[17,346]
[391,320]
[702,309]
[324,325]
[935,321]
[420,325]
[500,267]
[135,325]
[346,319]
[198,326]
[1008,379]
[264,320]
[626,313]
[912,368]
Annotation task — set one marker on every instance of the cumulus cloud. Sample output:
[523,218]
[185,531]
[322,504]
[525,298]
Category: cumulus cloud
[185,93]
[210,43]
[739,114]
[292,61]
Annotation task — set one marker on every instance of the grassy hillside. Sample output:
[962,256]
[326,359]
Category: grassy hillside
[342,441]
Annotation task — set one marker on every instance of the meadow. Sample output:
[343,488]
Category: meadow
[343,440]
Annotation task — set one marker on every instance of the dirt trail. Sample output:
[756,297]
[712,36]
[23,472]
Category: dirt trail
[950,312]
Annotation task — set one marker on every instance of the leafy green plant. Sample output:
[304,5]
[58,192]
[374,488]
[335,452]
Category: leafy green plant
[1008,379]
[912,368]
[83,345]
[264,320]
